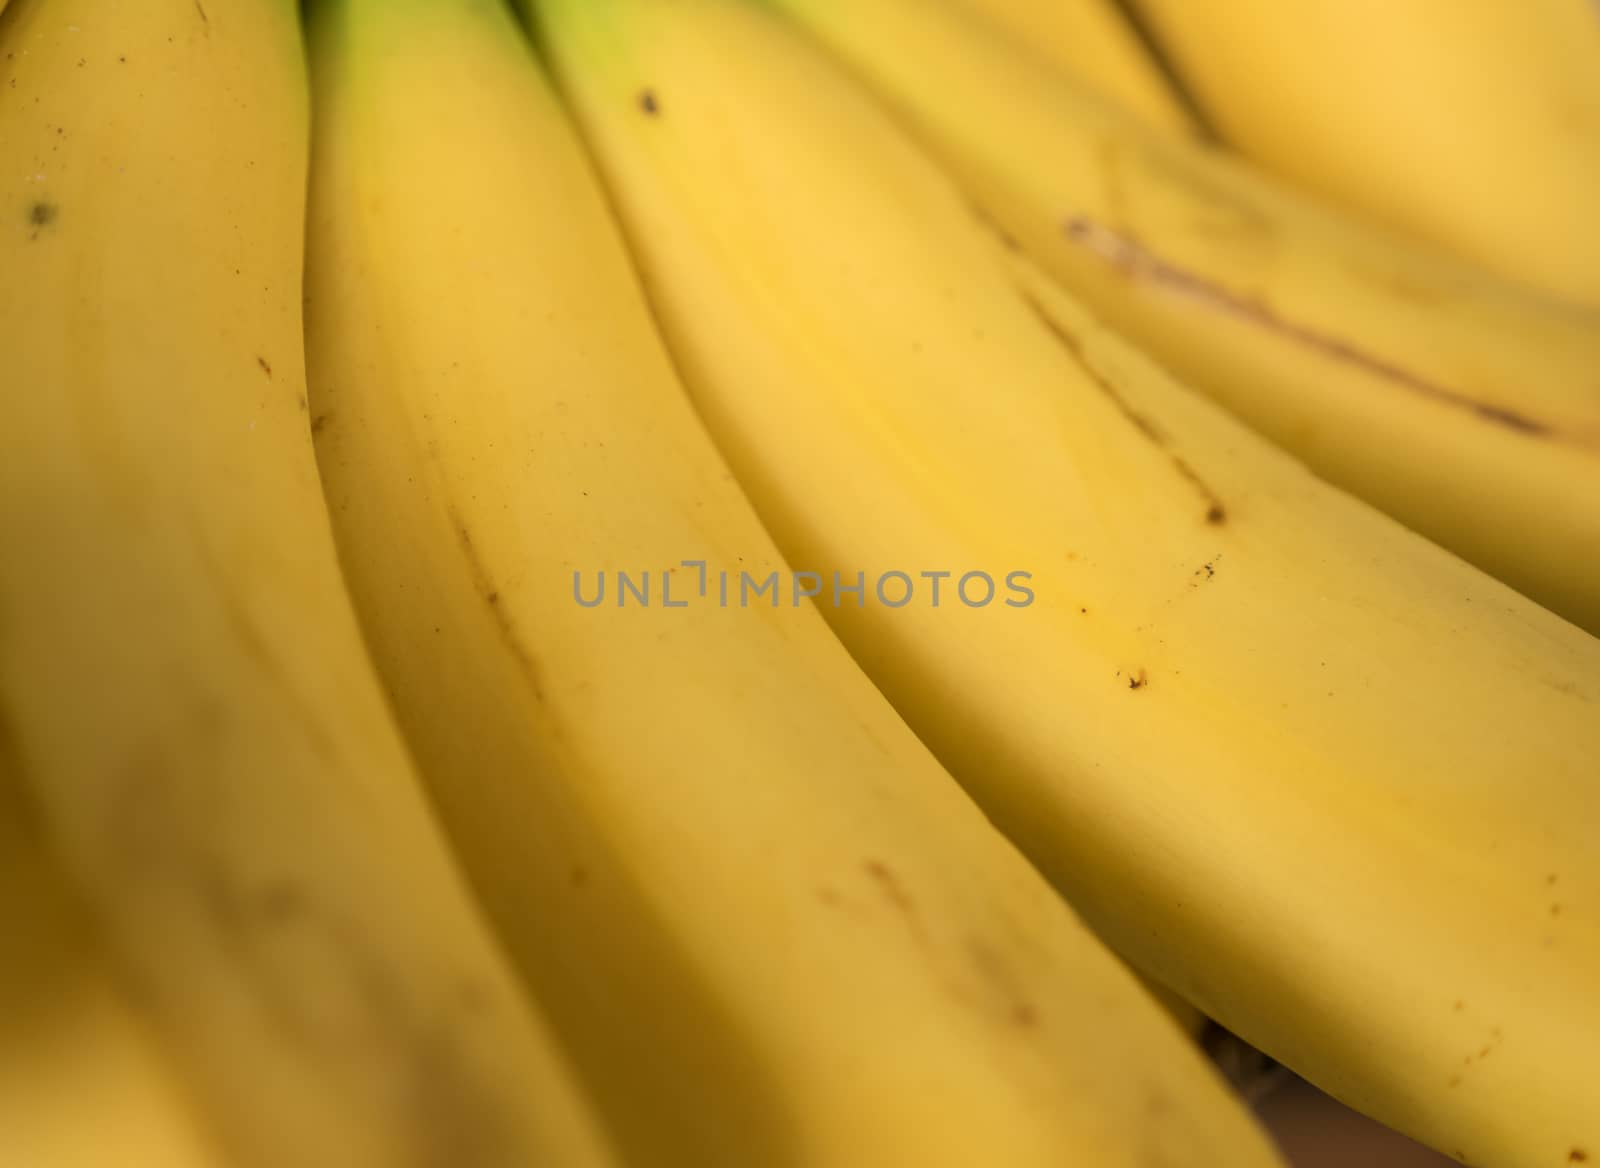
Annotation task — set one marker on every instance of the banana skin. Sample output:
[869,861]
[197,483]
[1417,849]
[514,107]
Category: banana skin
[1461,405]
[1475,126]
[185,702]
[771,929]
[1323,778]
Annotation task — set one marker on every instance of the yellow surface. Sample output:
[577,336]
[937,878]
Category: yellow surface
[1328,782]
[1474,124]
[774,929]
[183,691]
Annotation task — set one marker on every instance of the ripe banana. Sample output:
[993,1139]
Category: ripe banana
[1093,40]
[184,698]
[774,929]
[82,1083]
[1329,782]
[1476,126]
[1464,409]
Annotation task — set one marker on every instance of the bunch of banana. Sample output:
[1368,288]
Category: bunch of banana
[1327,780]
[1461,406]
[192,739]
[772,928]
[1474,125]
[1093,40]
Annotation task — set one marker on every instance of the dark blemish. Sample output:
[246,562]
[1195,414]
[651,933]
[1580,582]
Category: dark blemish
[1136,261]
[1085,611]
[1577,1156]
[1455,1080]
[997,974]
[1459,1006]
[890,883]
[982,215]
[122,60]
[318,422]
[204,19]
[648,102]
[578,876]
[41,215]
[1555,910]
[1550,879]
[266,367]
[1215,514]
[508,633]
[1138,680]
[304,405]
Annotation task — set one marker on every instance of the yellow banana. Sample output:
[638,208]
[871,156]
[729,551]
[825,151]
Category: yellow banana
[82,1083]
[184,697]
[1093,40]
[774,929]
[1332,784]
[1475,125]
[1464,409]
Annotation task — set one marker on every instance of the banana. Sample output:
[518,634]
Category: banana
[1326,780]
[82,1082]
[774,930]
[1468,411]
[184,698]
[1093,40]
[1475,126]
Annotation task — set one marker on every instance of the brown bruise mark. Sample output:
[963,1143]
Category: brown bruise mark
[996,228]
[1577,1156]
[1138,680]
[1134,260]
[649,103]
[997,976]
[886,879]
[265,366]
[483,582]
[320,422]
[40,215]
[204,19]
[1215,513]
[895,893]
[412,1027]
[578,876]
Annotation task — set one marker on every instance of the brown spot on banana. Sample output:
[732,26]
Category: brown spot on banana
[1133,259]
[1215,513]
